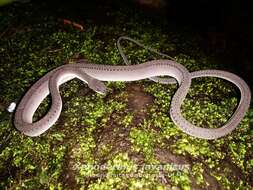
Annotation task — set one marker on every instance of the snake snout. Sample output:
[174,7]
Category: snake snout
[101,89]
[98,86]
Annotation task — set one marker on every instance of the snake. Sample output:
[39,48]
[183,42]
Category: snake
[94,75]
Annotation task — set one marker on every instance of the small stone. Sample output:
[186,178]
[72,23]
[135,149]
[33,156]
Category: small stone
[11,107]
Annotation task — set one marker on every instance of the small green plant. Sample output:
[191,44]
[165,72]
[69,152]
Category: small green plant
[96,130]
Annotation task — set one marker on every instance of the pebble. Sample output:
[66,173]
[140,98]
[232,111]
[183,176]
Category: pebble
[11,107]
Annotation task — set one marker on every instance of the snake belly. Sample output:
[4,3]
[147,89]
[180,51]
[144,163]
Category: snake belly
[92,74]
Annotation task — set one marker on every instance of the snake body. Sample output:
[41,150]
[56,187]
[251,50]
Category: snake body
[93,74]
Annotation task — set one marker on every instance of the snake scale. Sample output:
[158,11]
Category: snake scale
[93,74]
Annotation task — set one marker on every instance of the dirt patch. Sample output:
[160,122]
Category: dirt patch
[234,172]
[138,100]
[165,156]
[68,174]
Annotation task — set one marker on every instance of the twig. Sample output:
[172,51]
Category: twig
[55,50]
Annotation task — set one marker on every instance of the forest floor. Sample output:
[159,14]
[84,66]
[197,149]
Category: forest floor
[125,139]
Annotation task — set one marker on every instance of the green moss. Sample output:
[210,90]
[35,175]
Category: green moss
[197,171]
[63,157]
[181,179]
[144,140]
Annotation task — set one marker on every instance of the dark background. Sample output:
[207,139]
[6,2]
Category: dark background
[222,29]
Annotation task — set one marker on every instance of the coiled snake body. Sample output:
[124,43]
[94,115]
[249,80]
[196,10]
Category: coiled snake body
[93,74]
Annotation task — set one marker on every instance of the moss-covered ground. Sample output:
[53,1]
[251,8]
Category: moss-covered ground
[125,139]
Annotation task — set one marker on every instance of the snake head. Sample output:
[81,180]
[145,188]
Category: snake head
[97,86]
